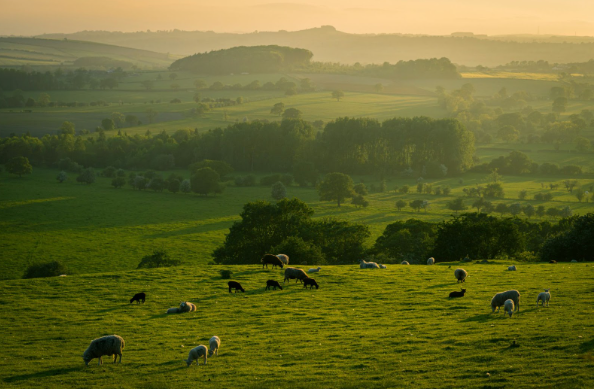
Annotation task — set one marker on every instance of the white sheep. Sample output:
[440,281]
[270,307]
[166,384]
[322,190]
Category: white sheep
[574,260]
[500,298]
[106,345]
[431,261]
[284,258]
[512,268]
[294,273]
[368,265]
[173,310]
[186,306]
[508,307]
[314,270]
[383,266]
[460,275]
[213,346]
[404,263]
[544,297]
[195,353]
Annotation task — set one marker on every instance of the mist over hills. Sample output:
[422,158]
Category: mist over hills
[330,45]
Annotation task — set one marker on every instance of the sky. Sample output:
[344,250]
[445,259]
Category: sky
[433,17]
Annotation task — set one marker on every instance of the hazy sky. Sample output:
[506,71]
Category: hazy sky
[568,17]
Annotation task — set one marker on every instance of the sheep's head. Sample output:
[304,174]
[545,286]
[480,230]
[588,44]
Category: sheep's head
[547,290]
[87,357]
[463,290]
[188,362]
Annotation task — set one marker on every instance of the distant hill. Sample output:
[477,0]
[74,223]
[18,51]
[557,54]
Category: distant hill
[328,44]
[36,51]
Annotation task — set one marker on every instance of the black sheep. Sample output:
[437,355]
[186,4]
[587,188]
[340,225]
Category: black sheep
[271,259]
[273,284]
[235,285]
[137,297]
[458,294]
[311,282]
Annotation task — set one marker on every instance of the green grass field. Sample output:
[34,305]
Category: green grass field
[392,328]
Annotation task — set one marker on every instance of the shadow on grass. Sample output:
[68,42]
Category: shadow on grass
[482,318]
[587,346]
[440,286]
[43,374]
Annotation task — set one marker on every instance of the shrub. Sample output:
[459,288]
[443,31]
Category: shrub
[359,201]
[62,176]
[47,269]
[404,189]
[118,182]
[226,274]
[278,191]
[269,180]
[221,167]
[446,190]
[88,176]
[360,189]
[185,186]
[159,258]
[109,172]
[300,251]
[286,179]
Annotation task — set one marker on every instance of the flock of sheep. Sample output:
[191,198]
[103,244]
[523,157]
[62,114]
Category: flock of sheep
[114,344]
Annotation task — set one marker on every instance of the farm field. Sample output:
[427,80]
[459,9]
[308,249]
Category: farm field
[96,227]
[392,328]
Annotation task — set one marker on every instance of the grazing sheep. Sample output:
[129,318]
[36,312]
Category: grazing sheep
[174,310]
[311,282]
[137,297]
[508,307]
[235,285]
[294,273]
[271,259]
[458,294]
[273,284]
[383,266]
[195,353]
[431,261]
[368,265]
[404,263]
[284,258]
[511,268]
[466,259]
[460,275]
[314,270]
[544,297]
[574,260]
[106,345]
[213,346]
[499,299]
[186,306]
[552,261]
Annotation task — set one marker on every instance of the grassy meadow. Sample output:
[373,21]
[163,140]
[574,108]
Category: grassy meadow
[392,328]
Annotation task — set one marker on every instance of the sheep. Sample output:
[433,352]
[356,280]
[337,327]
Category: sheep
[460,275]
[458,294]
[106,345]
[367,265]
[294,273]
[431,261]
[186,306]
[213,346]
[137,297]
[273,284]
[508,306]
[552,261]
[174,310]
[404,263]
[284,258]
[271,259]
[235,285]
[383,266]
[195,353]
[544,297]
[574,260]
[314,270]
[511,268]
[311,282]
[499,299]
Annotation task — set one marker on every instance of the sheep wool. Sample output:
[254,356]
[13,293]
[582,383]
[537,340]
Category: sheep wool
[195,353]
[544,297]
[213,346]
[314,270]
[173,310]
[431,261]
[500,298]
[460,275]
[508,306]
[294,273]
[383,266]
[284,258]
[368,265]
[404,263]
[187,307]
[512,268]
[106,345]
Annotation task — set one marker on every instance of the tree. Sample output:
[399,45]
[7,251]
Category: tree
[522,194]
[559,105]
[174,86]
[118,118]
[62,176]
[87,176]
[147,84]
[304,173]
[529,210]
[360,189]
[160,258]
[278,191]
[416,204]
[580,194]
[292,113]
[479,204]
[200,84]
[494,190]
[570,184]
[553,212]
[336,186]
[378,88]
[508,133]
[359,201]
[566,212]
[582,145]
[515,209]
[404,189]
[118,182]
[501,209]
[132,120]
[67,128]
[185,186]
[19,166]
[151,114]
[406,240]
[456,205]
[47,269]
[337,94]
[173,185]
[278,109]
[400,204]
[107,124]
[205,181]
[44,99]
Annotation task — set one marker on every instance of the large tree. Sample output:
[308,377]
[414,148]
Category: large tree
[336,186]
[19,166]
[205,181]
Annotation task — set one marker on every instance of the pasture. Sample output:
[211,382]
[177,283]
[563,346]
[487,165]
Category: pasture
[391,328]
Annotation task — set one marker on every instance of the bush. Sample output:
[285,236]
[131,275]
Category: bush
[249,180]
[62,176]
[359,201]
[118,182]
[221,167]
[269,180]
[47,269]
[159,258]
[226,274]
[87,176]
[286,179]
[109,172]
[278,191]
[185,186]
[360,189]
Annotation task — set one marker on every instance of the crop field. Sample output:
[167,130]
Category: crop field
[392,328]
[96,227]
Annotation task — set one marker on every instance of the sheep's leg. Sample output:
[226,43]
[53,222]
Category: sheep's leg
[115,358]
[100,361]
[205,359]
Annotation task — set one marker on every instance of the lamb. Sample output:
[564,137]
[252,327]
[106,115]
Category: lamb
[106,345]
[460,275]
[368,265]
[271,259]
[311,282]
[235,285]
[314,270]
[458,294]
[508,306]
[284,258]
[273,284]
[500,298]
[511,268]
[383,266]
[137,297]
[195,353]
[173,310]
[431,261]
[294,273]
[404,263]
[213,346]
[544,297]
[186,306]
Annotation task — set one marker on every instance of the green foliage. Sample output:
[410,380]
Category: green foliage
[249,180]
[226,274]
[292,113]
[108,124]
[185,186]
[62,176]
[416,204]
[304,173]
[494,190]
[206,180]
[109,172]
[336,186]
[407,240]
[278,191]
[88,176]
[359,201]
[337,94]
[400,204]
[360,189]
[576,243]
[300,251]
[46,269]
[118,182]
[221,167]
[159,258]
[19,166]
[173,185]
[277,109]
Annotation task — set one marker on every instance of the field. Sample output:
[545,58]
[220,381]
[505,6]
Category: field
[392,328]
